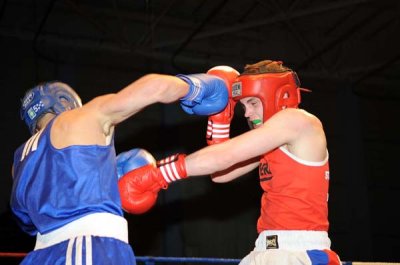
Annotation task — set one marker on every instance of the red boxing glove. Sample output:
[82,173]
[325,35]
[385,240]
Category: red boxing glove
[139,187]
[218,125]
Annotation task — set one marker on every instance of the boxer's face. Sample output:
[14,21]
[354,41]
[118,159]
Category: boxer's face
[253,111]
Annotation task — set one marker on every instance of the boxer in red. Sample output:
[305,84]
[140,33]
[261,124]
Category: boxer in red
[289,146]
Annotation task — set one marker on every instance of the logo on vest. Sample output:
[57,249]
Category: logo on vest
[272,242]
[264,172]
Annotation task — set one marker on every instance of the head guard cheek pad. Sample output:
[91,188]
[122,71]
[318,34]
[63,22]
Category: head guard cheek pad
[277,86]
[50,97]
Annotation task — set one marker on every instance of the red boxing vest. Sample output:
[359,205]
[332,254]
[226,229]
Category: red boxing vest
[295,193]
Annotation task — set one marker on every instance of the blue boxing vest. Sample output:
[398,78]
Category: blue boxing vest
[53,187]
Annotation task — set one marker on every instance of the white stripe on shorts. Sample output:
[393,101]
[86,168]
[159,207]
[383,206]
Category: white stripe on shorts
[68,258]
[88,246]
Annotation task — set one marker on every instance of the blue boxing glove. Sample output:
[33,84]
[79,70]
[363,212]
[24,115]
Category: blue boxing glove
[133,159]
[207,94]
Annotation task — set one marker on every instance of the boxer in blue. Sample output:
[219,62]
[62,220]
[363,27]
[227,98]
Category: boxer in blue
[65,189]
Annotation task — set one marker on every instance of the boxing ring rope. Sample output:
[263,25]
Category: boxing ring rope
[12,255]
[151,260]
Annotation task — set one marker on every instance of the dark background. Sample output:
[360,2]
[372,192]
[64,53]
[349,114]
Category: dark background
[347,52]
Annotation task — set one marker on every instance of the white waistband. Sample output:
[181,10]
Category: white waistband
[292,240]
[97,224]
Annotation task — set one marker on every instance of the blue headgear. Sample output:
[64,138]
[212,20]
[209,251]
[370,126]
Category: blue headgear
[50,97]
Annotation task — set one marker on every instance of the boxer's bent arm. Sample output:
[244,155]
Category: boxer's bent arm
[291,127]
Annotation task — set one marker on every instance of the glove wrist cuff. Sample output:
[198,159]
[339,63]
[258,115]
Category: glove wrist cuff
[172,168]
[217,130]
[194,87]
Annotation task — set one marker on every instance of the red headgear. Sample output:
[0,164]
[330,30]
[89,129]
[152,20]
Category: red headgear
[277,86]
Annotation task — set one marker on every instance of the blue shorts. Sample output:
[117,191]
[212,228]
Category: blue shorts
[84,250]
